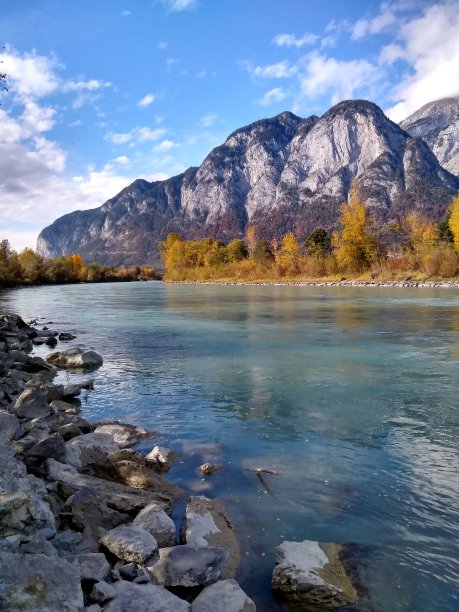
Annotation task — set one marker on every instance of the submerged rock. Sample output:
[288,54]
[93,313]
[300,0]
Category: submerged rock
[124,435]
[310,574]
[75,358]
[161,457]
[224,596]
[188,566]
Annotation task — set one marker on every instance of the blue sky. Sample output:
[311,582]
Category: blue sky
[105,91]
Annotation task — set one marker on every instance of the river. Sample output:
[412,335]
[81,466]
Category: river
[351,394]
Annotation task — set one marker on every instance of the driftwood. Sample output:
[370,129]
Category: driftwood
[259,471]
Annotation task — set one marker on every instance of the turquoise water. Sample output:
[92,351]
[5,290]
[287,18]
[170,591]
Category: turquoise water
[352,395]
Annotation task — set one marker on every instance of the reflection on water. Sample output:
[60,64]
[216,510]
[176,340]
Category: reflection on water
[350,394]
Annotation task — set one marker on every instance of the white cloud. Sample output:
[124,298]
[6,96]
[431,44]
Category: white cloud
[364,27]
[146,100]
[272,96]
[49,153]
[165,145]
[91,85]
[135,136]
[180,5]
[280,70]
[208,120]
[75,123]
[29,75]
[429,44]
[37,118]
[162,45]
[290,40]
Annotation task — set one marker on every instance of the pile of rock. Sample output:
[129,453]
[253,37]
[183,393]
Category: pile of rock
[84,518]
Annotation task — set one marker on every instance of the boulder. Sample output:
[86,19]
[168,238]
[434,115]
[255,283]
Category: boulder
[61,406]
[125,435]
[207,469]
[188,566]
[69,431]
[9,426]
[91,566]
[130,543]
[310,575]
[65,336]
[154,520]
[161,457]
[35,365]
[52,447]
[102,592]
[38,583]
[38,545]
[75,358]
[25,512]
[145,598]
[91,448]
[32,403]
[206,523]
[224,596]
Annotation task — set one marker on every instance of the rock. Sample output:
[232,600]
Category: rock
[39,340]
[25,512]
[38,545]
[52,447]
[119,497]
[102,592]
[69,431]
[91,566]
[61,406]
[206,523]
[89,449]
[32,403]
[310,574]
[125,435]
[36,364]
[208,468]
[65,336]
[128,571]
[145,598]
[75,358]
[154,520]
[51,341]
[162,457]
[130,543]
[67,542]
[224,596]
[188,566]
[71,390]
[9,426]
[39,583]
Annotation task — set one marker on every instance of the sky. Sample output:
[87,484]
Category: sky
[101,92]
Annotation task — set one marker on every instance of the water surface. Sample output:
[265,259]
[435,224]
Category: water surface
[351,394]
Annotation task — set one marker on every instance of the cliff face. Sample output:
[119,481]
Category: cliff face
[280,174]
[437,123]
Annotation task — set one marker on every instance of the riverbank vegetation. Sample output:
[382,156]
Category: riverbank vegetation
[29,268]
[415,248]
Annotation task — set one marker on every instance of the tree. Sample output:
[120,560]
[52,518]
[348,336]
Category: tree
[355,246]
[454,220]
[288,257]
[318,243]
[263,253]
[444,232]
[235,251]
[250,239]
[419,230]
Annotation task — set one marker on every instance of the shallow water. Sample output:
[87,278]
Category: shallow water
[351,394]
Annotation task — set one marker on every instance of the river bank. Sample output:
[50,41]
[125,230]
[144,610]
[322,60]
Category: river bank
[85,518]
[443,284]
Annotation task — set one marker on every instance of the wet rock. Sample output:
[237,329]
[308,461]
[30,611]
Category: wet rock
[224,596]
[130,543]
[32,403]
[145,598]
[310,574]
[65,336]
[75,358]
[161,457]
[61,406]
[91,566]
[39,340]
[206,523]
[207,469]
[36,364]
[91,448]
[154,520]
[125,435]
[69,431]
[102,592]
[39,583]
[51,341]
[188,566]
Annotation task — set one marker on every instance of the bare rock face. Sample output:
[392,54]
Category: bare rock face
[280,174]
[437,123]
[206,523]
[310,575]
[225,596]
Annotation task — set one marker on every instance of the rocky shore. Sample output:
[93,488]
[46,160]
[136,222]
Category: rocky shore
[442,284]
[85,519]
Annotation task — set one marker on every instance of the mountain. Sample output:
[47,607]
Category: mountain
[437,123]
[279,174]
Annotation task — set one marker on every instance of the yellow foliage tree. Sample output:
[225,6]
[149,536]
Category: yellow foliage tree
[288,257]
[454,220]
[250,239]
[419,230]
[355,245]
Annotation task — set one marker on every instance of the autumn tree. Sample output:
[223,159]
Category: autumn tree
[262,253]
[355,245]
[288,256]
[454,220]
[251,239]
[236,251]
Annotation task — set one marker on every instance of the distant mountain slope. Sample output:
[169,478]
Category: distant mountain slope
[438,124]
[279,174]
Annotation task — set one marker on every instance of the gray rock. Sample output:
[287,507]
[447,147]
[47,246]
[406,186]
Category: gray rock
[130,543]
[162,457]
[123,434]
[65,336]
[62,406]
[69,431]
[9,426]
[91,566]
[154,520]
[25,511]
[32,403]
[52,447]
[38,545]
[102,592]
[66,542]
[89,449]
[128,571]
[75,358]
[310,574]
[206,523]
[145,598]
[224,596]
[38,583]
[188,566]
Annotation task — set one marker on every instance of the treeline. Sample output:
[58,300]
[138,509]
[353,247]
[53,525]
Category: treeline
[29,268]
[419,249]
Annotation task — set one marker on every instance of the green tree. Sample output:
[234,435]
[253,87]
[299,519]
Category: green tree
[236,251]
[262,253]
[454,220]
[318,243]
